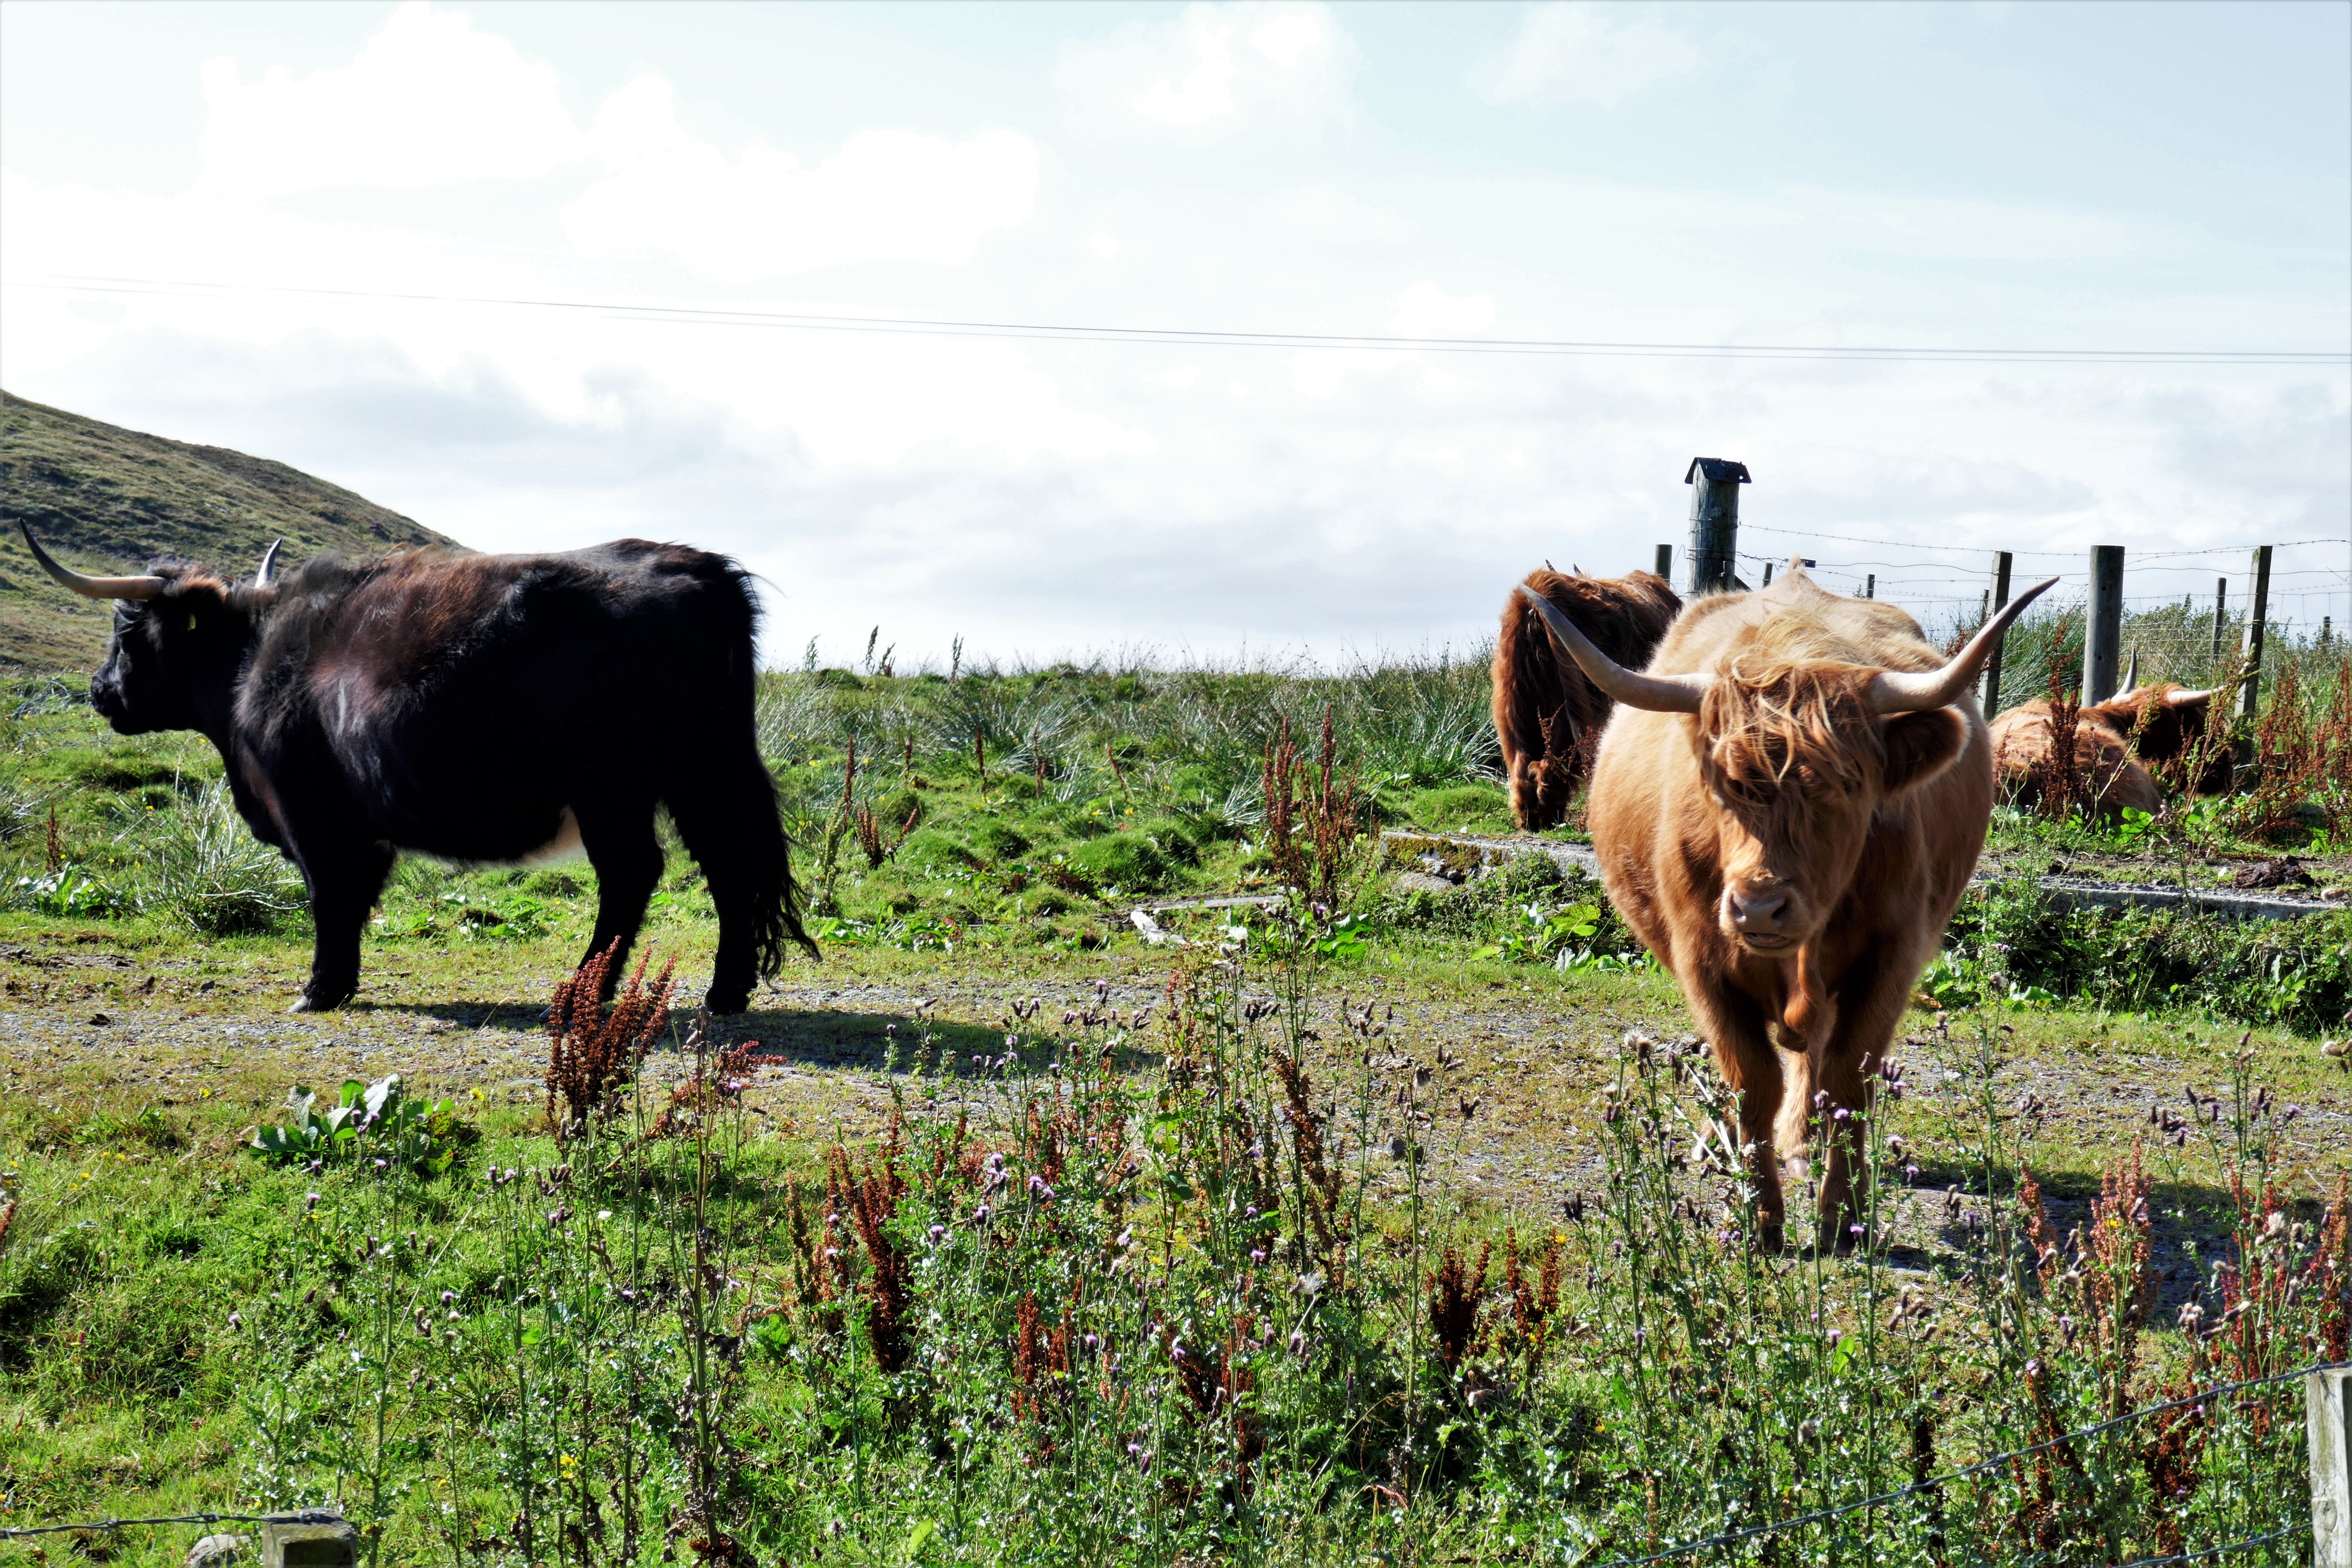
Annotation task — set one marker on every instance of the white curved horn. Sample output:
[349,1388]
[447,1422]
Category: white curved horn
[2182,698]
[266,573]
[89,587]
[2131,675]
[1658,693]
[1903,691]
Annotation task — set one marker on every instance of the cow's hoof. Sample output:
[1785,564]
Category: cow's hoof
[1771,1240]
[1843,1238]
[320,1002]
[719,1001]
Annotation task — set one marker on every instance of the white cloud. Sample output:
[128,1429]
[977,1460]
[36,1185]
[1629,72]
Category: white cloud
[1583,53]
[429,101]
[1203,93]
[886,195]
[1289,38]
[1207,72]
[1320,374]
[1325,215]
[1104,245]
[1425,310]
[1042,495]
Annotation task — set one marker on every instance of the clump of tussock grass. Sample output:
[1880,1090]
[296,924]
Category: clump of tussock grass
[200,865]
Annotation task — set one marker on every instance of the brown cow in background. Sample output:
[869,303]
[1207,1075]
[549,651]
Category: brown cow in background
[1547,713]
[2163,726]
[1786,812]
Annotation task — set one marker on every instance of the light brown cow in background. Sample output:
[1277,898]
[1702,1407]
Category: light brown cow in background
[1786,810]
[1548,714]
[2116,743]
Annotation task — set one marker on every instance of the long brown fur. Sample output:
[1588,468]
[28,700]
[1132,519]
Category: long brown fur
[1548,714]
[2163,730]
[1872,825]
[2021,741]
[2125,743]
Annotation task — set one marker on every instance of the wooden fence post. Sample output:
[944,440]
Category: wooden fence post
[1666,567]
[1870,587]
[2103,637]
[1767,583]
[1715,522]
[2220,617]
[1995,598]
[2249,650]
[2327,1420]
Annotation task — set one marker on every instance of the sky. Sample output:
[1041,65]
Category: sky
[541,274]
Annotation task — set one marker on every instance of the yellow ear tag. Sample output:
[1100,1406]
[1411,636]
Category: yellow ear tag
[192,620]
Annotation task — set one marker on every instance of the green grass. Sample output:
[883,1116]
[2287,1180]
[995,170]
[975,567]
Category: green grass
[181,1330]
[830,1353]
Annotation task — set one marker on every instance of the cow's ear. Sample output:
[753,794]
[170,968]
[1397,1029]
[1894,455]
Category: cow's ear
[1921,745]
[185,602]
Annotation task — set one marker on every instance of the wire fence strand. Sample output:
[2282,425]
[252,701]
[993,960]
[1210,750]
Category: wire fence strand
[2199,1556]
[305,1516]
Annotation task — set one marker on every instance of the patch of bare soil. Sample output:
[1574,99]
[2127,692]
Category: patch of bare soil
[1515,1072]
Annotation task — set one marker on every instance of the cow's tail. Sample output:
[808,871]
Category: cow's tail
[776,920]
[737,814]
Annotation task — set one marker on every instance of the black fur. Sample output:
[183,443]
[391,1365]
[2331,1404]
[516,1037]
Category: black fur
[458,707]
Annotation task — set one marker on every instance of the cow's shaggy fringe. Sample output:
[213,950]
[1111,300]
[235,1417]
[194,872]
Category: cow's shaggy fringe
[1766,713]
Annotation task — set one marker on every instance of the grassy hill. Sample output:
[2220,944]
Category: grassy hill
[103,499]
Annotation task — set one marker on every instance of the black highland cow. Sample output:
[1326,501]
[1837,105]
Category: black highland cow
[488,708]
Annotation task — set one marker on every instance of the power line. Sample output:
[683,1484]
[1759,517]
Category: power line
[1209,337]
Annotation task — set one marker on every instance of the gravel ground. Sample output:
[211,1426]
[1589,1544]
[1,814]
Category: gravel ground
[78,1018]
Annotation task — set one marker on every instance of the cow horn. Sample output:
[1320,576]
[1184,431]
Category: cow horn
[89,587]
[1903,691]
[262,575]
[1658,693]
[2131,674]
[2182,698]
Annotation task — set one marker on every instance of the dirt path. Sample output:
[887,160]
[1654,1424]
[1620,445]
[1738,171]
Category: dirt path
[1531,1058]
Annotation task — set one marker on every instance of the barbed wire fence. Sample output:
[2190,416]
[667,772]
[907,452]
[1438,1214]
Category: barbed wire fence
[2184,612]
[99,1526]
